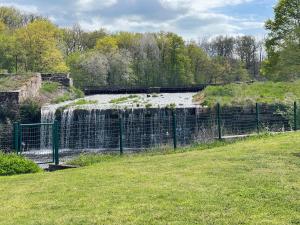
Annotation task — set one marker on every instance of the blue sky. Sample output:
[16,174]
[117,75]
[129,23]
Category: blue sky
[192,19]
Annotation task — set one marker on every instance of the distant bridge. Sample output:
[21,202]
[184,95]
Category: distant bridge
[143,90]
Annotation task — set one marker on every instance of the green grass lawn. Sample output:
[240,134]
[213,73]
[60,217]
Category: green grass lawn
[243,94]
[255,181]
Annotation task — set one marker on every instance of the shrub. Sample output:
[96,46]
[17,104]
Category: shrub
[50,87]
[72,94]
[30,111]
[12,164]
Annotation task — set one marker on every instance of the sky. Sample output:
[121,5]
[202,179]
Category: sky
[192,19]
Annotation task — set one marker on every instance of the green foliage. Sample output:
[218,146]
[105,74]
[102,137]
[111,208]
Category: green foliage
[11,164]
[243,94]
[283,42]
[63,98]
[123,99]
[81,102]
[148,105]
[171,106]
[50,87]
[30,111]
[32,43]
[85,102]
[39,43]
[11,17]
[107,44]
[72,94]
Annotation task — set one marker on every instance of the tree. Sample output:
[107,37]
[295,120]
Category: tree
[73,39]
[95,67]
[247,52]
[14,19]
[175,60]
[77,40]
[146,57]
[200,63]
[285,23]
[120,72]
[11,17]
[7,52]
[223,46]
[287,66]
[90,38]
[2,27]
[39,41]
[107,44]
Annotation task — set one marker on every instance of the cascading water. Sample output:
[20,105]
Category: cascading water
[96,126]
[47,116]
[147,121]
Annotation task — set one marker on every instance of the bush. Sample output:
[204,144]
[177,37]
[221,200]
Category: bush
[50,87]
[72,94]
[30,111]
[12,164]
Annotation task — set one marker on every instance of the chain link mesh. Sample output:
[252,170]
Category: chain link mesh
[101,133]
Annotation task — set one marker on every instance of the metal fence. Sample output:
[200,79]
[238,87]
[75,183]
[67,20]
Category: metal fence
[127,133]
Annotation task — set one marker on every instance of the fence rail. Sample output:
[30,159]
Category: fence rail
[47,142]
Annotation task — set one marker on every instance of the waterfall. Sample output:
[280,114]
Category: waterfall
[97,126]
[47,117]
[99,129]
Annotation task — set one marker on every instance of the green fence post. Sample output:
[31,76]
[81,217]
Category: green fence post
[55,138]
[174,125]
[219,121]
[121,134]
[257,117]
[16,137]
[295,117]
[20,136]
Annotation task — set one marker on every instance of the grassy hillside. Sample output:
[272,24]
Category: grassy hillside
[241,94]
[13,82]
[250,182]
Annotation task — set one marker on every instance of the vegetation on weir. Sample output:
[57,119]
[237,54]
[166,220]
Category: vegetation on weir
[67,95]
[254,181]
[249,94]
[125,99]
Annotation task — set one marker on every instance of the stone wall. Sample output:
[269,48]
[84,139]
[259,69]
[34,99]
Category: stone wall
[31,88]
[10,100]
[63,79]
[9,105]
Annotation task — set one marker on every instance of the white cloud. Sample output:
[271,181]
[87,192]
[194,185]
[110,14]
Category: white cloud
[189,18]
[24,8]
[200,5]
[87,5]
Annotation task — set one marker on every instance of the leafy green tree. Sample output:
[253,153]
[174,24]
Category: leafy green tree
[14,18]
[11,17]
[200,63]
[286,23]
[287,66]
[2,27]
[107,44]
[39,40]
